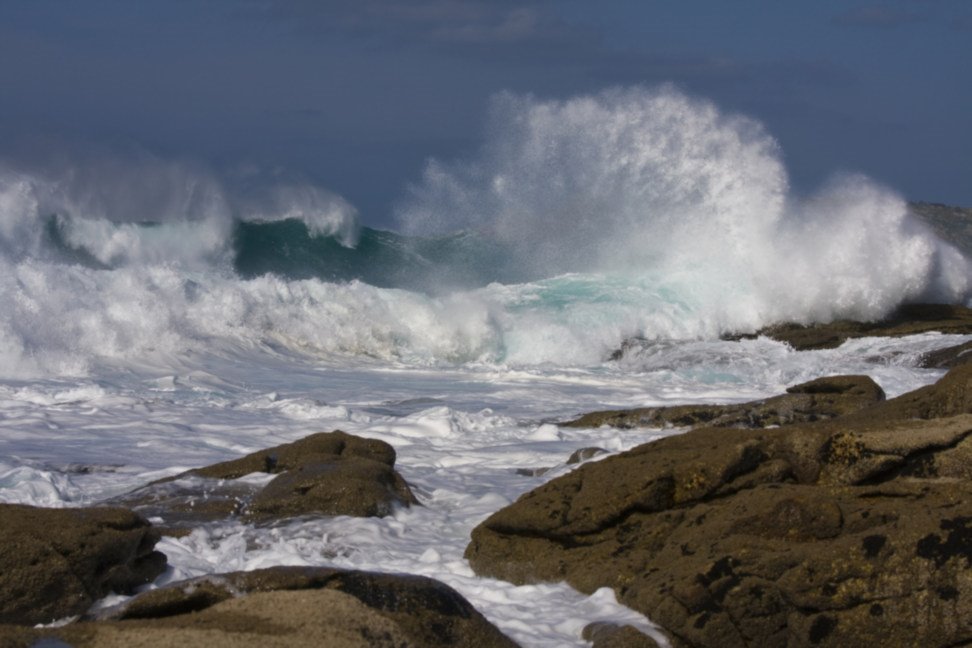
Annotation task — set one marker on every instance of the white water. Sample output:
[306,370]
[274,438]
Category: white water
[640,212]
[132,352]
[460,433]
[654,184]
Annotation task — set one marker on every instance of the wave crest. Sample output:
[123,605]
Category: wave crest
[652,181]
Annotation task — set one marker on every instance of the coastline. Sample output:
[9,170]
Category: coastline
[955,319]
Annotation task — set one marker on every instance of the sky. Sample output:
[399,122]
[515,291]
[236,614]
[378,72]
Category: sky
[357,95]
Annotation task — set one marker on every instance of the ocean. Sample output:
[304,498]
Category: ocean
[157,316]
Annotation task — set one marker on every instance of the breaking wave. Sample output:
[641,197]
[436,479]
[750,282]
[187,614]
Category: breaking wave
[655,183]
[579,223]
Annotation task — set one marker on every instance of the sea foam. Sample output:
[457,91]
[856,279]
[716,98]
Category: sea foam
[651,182]
[632,212]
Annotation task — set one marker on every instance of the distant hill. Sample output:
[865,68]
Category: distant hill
[953,224]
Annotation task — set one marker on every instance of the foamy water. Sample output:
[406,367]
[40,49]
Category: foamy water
[461,434]
[135,342]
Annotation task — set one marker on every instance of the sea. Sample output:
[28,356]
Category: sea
[158,315]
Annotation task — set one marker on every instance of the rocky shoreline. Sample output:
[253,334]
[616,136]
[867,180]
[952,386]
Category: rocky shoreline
[826,516]
[840,532]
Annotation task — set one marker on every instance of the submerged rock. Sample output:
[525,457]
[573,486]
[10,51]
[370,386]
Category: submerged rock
[55,563]
[577,456]
[824,534]
[583,454]
[329,473]
[820,399]
[286,606]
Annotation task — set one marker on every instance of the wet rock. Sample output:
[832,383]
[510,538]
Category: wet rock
[582,455]
[950,396]
[948,357]
[576,457]
[346,486]
[329,473]
[910,319]
[612,635]
[629,346]
[188,501]
[290,606]
[55,563]
[532,472]
[823,534]
[823,398]
[321,446]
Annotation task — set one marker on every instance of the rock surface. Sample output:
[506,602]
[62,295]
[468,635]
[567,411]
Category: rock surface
[910,319]
[948,357]
[820,399]
[611,635]
[826,534]
[329,473]
[285,606]
[907,320]
[55,563]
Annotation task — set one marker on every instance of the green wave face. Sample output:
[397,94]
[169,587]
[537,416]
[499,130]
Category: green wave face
[381,258]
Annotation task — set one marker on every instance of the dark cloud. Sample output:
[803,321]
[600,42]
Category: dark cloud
[880,16]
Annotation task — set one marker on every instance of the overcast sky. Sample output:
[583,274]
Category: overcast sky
[356,95]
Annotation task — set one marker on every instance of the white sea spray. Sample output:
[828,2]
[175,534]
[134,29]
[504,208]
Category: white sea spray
[131,349]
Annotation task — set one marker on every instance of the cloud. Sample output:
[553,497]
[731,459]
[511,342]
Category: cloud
[879,16]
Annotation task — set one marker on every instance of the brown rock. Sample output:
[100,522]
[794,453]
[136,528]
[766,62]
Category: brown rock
[55,563]
[949,396]
[345,486]
[611,635]
[909,319]
[826,534]
[323,445]
[289,606]
[948,357]
[329,473]
[819,399]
